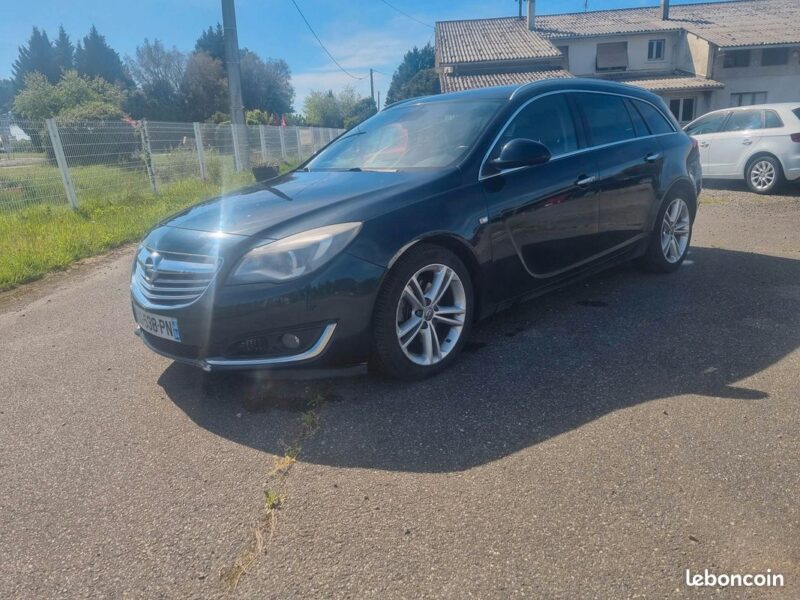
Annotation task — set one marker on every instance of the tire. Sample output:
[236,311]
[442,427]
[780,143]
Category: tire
[410,325]
[764,174]
[670,240]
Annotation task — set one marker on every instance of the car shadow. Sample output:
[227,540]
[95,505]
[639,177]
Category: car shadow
[535,371]
[791,188]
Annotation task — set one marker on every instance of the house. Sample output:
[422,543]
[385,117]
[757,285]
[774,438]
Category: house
[698,57]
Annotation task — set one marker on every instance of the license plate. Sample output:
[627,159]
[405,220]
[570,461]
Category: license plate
[164,327]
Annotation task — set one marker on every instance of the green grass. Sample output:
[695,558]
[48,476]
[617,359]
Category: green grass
[115,208]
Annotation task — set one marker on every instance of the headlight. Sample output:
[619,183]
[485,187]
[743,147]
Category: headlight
[295,255]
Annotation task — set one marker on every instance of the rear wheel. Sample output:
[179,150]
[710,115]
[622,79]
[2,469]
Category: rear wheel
[422,315]
[764,175]
[669,242]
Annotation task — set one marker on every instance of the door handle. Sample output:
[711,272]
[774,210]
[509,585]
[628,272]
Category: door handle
[747,141]
[584,180]
[652,157]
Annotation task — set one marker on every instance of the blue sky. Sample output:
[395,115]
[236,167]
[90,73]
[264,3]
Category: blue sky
[359,33]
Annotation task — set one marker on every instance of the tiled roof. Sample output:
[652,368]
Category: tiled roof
[738,23]
[457,83]
[489,39]
[673,83]
[726,24]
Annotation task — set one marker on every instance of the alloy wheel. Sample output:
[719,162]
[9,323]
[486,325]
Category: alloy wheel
[762,175]
[430,314]
[675,230]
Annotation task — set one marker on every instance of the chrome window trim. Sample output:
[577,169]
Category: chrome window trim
[482,177]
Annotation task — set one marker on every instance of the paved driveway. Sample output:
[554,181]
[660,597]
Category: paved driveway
[593,443]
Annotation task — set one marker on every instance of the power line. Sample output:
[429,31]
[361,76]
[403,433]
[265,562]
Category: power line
[405,14]
[314,33]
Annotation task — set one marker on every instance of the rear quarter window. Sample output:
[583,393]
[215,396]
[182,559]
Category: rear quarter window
[656,122]
[796,112]
[772,120]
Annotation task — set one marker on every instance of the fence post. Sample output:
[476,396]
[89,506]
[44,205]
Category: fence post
[299,145]
[283,144]
[262,134]
[201,155]
[148,156]
[61,160]
[237,158]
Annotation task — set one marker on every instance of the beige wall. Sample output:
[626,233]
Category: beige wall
[583,52]
[782,83]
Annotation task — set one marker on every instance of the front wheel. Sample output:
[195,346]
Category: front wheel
[423,314]
[669,242]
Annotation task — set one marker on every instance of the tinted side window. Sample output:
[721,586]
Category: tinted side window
[639,125]
[707,124]
[655,120]
[547,120]
[796,112]
[744,120]
[771,119]
[606,117]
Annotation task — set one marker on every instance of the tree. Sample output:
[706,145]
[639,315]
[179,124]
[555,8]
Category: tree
[158,73]
[74,97]
[6,95]
[345,109]
[204,87]
[212,42]
[64,51]
[322,109]
[95,58]
[37,56]
[415,61]
[266,85]
[362,111]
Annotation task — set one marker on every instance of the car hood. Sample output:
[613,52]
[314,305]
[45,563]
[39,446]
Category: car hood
[303,200]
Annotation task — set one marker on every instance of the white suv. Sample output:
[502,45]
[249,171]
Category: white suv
[760,144]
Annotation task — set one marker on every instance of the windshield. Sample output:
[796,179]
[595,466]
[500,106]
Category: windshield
[427,135]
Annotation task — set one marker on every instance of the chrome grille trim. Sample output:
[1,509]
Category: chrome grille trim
[170,279]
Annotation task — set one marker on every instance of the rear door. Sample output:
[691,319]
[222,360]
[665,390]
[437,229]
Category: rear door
[736,142]
[705,130]
[628,160]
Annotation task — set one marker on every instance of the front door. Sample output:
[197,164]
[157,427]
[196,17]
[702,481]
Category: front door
[706,130]
[735,142]
[545,216]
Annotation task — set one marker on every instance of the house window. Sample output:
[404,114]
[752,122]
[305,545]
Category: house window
[748,98]
[736,58]
[565,52]
[655,49]
[612,57]
[771,57]
[682,108]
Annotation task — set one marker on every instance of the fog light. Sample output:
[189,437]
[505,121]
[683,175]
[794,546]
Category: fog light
[290,340]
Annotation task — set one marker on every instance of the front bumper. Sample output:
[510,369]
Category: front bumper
[331,311]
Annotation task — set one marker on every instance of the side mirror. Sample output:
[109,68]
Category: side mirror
[521,153]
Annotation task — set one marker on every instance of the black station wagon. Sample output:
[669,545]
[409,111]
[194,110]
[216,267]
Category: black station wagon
[385,247]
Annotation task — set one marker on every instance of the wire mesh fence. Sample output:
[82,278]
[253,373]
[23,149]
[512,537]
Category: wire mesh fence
[59,162]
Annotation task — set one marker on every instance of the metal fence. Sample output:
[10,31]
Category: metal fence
[59,162]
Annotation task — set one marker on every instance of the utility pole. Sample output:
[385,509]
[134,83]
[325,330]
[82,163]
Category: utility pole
[378,105]
[371,85]
[235,84]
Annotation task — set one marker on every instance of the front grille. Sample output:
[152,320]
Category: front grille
[172,279]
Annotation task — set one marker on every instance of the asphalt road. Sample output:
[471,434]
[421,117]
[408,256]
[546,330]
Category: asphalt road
[594,443]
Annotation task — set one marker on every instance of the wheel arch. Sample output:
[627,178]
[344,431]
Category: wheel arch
[458,246]
[761,154]
[681,185]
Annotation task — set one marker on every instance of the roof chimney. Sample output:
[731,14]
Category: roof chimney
[532,14]
[665,10]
